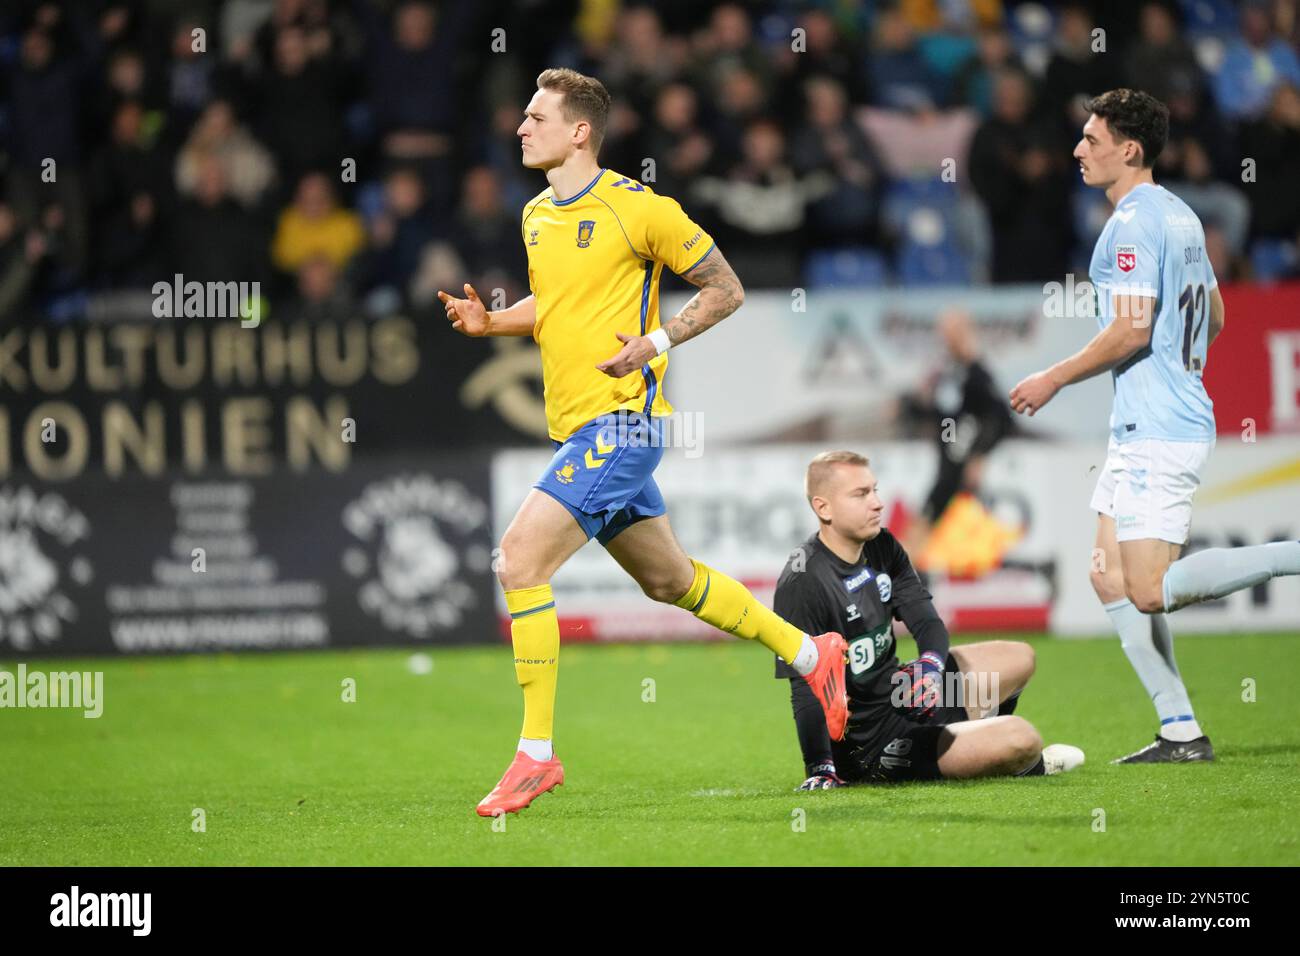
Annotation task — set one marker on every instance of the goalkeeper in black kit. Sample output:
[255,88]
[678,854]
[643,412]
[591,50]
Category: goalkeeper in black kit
[947,714]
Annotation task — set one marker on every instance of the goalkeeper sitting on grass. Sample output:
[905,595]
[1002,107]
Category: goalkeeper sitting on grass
[949,713]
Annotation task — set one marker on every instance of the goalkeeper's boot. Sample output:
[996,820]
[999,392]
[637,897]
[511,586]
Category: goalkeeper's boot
[525,780]
[827,682]
[1058,758]
[1164,750]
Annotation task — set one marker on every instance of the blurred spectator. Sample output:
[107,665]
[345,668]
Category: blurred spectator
[487,233]
[828,53]
[740,101]
[312,18]
[761,206]
[1197,156]
[964,410]
[46,183]
[1254,64]
[315,226]
[1161,60]
[680,147]
[832,144]
[128,163]
[638,62]
[1016,168]
[322,294]
[399,233]
[126,178]
[727,45]
[213,238]
[1080,68]
[132,245]
[973,82]
[415,53]
[45,92]
[128,80]
[300,115]
[1273,142]
[21,252]
[247,167]
[191,75]
[900,77]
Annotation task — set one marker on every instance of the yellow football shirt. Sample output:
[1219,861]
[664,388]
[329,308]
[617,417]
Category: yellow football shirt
[594,262]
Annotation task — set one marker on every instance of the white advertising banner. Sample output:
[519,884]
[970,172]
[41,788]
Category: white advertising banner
[830,365]
[742,511]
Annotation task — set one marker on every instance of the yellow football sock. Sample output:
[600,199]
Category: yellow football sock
[535,633]
[727,604]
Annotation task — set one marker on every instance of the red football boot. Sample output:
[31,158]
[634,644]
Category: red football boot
[525,780]
[827,682]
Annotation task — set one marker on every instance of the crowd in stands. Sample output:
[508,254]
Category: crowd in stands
[354,156]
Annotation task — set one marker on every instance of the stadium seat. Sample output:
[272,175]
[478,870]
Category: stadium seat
[1208,16]
[904,198]
[934,264]
[1273,259]
[921,189]
[848,267]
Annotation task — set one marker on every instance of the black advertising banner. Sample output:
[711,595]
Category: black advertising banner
[196,486]
[394,550]
[138,397]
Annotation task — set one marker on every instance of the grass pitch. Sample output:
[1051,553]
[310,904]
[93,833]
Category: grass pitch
[287,772]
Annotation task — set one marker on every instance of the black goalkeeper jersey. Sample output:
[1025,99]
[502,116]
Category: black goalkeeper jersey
[819,592]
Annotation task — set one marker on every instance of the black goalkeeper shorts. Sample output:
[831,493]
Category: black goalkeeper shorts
[894,748]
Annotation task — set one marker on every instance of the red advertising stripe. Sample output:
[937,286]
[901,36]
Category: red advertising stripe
[1253,368]
[1034,618]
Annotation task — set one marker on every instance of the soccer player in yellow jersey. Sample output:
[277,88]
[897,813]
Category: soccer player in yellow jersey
[597,243]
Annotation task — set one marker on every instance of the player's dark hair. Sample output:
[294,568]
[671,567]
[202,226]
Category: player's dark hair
[1135,115]
[585,97]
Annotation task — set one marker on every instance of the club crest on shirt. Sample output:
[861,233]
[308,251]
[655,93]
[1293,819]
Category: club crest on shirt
[1126,258]
[585,229]
[885,584]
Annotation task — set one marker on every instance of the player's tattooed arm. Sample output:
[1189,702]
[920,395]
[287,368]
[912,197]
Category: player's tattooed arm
[720,295]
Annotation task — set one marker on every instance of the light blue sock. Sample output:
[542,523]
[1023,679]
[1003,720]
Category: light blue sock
[1150,649]
[1217,572]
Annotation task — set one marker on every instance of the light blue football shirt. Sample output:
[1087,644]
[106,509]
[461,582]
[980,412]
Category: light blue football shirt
[1154,246]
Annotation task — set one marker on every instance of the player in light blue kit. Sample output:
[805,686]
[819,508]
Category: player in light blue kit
[1159,309]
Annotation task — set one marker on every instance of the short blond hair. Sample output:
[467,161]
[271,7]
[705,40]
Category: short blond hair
[819,469]
[585,97]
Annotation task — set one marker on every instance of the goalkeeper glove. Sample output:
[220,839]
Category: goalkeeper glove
[823,777]
[918,686]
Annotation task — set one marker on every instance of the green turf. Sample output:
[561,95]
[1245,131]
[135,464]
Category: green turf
[288,773]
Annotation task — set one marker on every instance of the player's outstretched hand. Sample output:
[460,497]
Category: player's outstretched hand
[468,315]
[1033,393]
[636,351]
